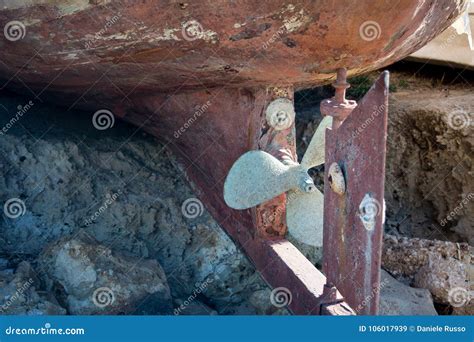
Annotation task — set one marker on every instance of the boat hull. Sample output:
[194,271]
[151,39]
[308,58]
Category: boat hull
[111,50]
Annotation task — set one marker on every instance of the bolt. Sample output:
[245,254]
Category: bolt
[336,179]
[338,106]
[307,185]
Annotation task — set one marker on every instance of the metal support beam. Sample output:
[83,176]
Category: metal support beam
[353,218]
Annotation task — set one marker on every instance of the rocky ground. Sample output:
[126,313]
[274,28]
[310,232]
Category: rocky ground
[93,221]
[86,196]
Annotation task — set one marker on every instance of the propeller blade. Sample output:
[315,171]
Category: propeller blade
[257,177]
[314,155]
[304,216]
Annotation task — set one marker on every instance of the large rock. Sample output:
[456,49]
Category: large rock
[19,293]
[92,279]
[442,276]
[397,298]
[442,267]
[405,257]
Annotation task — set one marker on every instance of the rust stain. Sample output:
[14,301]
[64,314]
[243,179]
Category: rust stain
[352,249]
[305,41]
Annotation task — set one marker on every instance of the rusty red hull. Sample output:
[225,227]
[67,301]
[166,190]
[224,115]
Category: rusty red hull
[109,50]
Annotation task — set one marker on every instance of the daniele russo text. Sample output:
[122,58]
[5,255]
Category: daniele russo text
[439,328]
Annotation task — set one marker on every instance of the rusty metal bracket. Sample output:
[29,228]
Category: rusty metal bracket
[353,218]
[258,231]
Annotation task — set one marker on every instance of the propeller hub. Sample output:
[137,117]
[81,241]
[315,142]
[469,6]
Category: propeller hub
[307,185]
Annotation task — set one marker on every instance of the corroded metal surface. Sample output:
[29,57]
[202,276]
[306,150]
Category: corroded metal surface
[338,106]
[283,266]
[270,217]
[258,177]
[353,219]
[207,148]
[197,75]
[111,49]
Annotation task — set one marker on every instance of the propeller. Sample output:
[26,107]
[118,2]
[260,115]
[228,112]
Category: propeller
[257,177]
